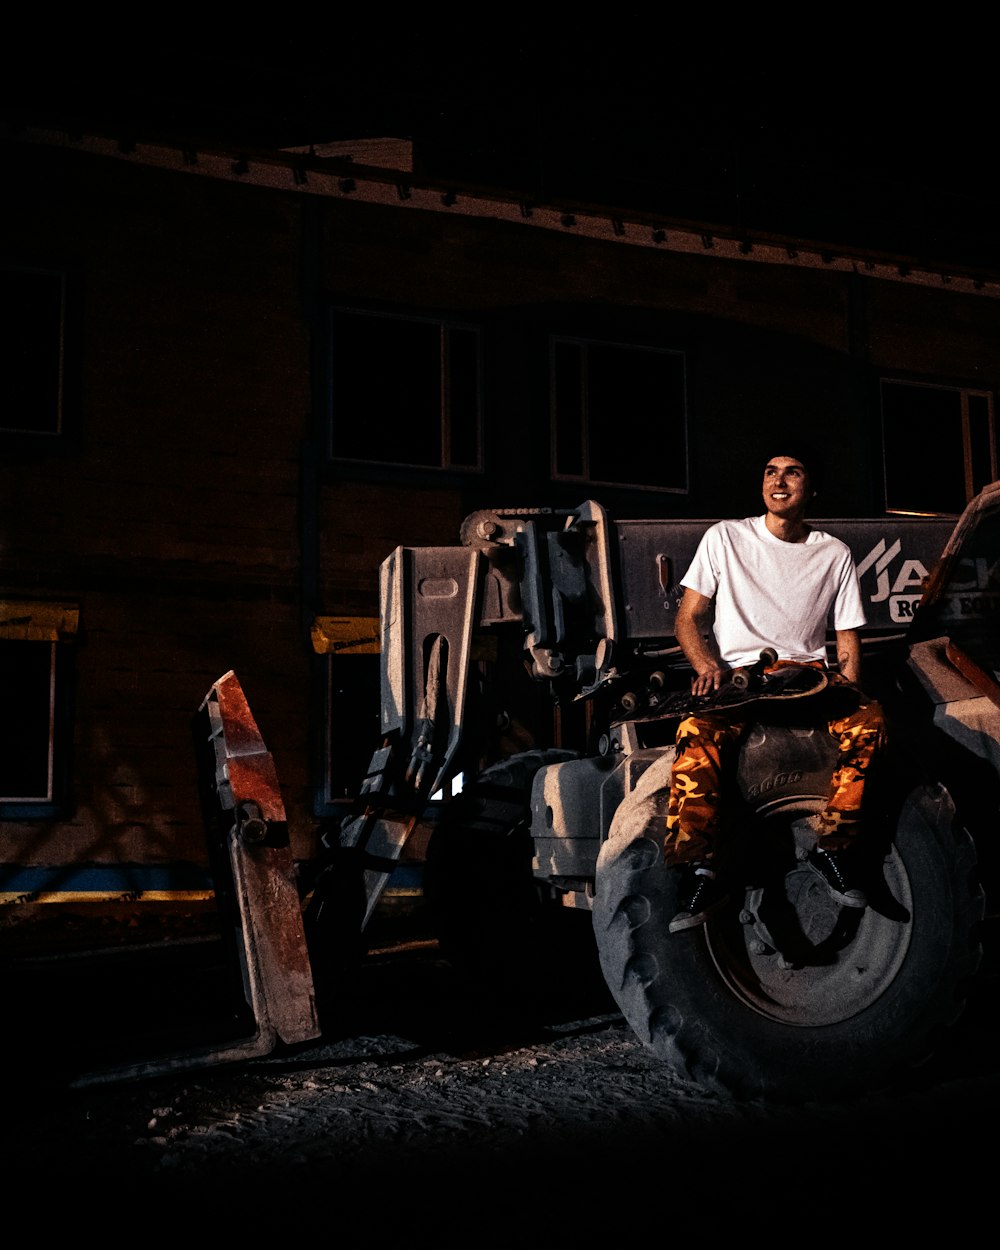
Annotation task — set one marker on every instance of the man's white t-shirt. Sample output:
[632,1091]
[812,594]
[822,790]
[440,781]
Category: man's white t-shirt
[771,593]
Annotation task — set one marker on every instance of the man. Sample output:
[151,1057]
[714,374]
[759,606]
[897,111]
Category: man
[768,581]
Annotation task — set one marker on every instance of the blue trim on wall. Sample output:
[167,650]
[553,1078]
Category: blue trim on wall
[103,878]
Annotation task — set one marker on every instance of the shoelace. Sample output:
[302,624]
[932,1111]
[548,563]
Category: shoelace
[834,867]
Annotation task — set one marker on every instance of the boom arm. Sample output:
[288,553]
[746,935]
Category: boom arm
[545,572]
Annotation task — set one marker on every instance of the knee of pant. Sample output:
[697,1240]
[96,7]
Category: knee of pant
[868,720]
[707,728]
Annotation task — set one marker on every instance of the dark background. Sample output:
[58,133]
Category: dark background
[837,134]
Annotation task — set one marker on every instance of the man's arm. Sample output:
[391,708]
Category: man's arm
[691,626]
[849,654]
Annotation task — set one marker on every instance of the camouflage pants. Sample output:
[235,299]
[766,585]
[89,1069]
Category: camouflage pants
[705,744]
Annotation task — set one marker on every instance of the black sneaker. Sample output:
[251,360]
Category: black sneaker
[835,868]
[700,893]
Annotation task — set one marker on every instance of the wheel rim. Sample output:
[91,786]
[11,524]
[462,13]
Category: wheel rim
[793,955]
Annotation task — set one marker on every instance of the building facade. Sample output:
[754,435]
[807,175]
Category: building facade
[234,383]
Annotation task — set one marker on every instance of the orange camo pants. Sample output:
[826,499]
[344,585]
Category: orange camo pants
[706,743]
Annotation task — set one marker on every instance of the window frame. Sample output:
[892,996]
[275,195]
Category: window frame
[56,626]
[13,434]
[446,470]
[586,476]
[964,392]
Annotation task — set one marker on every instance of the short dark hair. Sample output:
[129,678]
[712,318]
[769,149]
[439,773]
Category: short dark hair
[808,455]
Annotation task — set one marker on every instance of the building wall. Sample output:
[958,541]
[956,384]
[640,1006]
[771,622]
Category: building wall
[169,512]
[192,512]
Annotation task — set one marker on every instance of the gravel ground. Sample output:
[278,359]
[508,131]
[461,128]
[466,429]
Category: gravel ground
[430,1112]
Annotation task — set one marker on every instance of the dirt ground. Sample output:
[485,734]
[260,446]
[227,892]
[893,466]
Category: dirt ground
[431,1111]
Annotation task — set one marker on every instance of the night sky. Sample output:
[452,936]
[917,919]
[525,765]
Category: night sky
[625,96]
[633,112]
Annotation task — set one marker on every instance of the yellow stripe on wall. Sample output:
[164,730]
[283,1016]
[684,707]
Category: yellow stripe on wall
[32,621]
[107,896]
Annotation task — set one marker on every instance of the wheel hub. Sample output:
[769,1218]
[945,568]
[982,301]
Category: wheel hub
[792,954]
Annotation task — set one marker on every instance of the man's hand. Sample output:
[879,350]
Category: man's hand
[709,680]
[693,630]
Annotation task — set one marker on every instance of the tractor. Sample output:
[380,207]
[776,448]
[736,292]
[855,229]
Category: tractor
[521,673]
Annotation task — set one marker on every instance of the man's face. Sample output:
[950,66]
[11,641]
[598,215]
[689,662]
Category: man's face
[787,489]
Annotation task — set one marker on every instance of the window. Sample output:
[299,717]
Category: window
[32,306]
[34,681]
[406,391]
[939,446]
[619,415]
[354,723]
[352,704]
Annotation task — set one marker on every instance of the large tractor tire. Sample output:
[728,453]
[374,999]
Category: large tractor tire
[486,906]
[783,995]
